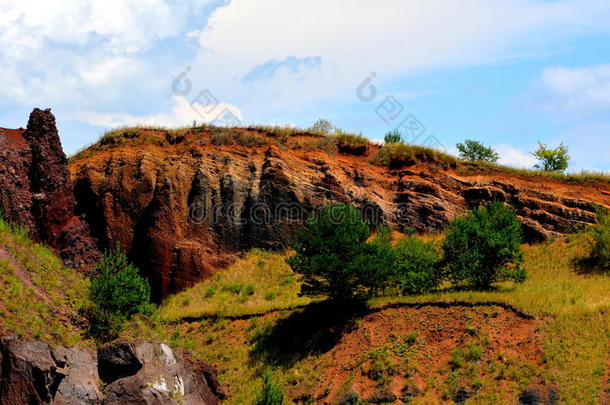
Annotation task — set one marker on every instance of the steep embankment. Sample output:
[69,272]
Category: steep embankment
[36,190]
[184,202]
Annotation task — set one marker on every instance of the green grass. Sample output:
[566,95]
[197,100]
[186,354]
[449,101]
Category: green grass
[397,155]
[584,176]
[572,301]
[259,282]
[24,313]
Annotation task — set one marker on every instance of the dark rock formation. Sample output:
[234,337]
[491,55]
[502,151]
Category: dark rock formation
[184,210]
[35,373]
[36,190]
[144,372]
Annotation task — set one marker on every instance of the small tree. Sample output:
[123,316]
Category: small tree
[552,160]
[322,126]
[477,152]
[334,257]
[117,294]
[415,265]
[484,247]
[601,239]
[392,137]
[271,392]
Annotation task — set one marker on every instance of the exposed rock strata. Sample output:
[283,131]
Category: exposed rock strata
[186,208]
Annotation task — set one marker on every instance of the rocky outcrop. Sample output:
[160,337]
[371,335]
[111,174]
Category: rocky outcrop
[36,190]
[132,373]
[185,208]
[36,373]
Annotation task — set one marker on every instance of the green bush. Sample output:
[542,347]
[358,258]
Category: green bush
[484,247]
[475,151]
[397,155]
[415,265]
[552,160]
[351,143]
[334,257]
[116,295]
[392,137]
[271,392]
[601,239]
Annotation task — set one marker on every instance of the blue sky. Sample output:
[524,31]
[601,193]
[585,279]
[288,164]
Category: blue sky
[507,72]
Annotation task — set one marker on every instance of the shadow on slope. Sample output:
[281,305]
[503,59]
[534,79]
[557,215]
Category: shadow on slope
[313,330]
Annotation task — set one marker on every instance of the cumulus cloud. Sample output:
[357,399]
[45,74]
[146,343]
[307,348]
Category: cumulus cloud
[512,156]
[183,113]
[576,91]
[390,37]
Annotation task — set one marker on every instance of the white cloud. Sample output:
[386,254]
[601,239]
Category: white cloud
[576,91]
[391,37]
[183,113]
[511,156]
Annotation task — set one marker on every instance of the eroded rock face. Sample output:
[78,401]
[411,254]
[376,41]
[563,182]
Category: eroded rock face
[36,373]
[152,373]
[36,190]
[142,373]
[188,208]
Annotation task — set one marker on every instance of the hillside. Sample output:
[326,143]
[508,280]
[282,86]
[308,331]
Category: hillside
[548,335]
[187,202]
[39,297]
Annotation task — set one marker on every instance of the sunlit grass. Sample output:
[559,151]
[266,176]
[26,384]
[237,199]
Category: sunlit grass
[259,282]
[572,301]
[26,314]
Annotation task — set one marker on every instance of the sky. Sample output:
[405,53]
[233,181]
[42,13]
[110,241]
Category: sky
[509,73]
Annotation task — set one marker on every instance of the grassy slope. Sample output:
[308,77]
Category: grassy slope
[572,301]
[52,318]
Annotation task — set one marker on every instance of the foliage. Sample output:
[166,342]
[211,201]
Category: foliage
[351,143]
[322,126]
[223,137]
[116,295]
[397,155]
[392,137]
[333,256]
[271,392]
[484,247]
[552,160]
[415,265]
[601,238]
[475,151]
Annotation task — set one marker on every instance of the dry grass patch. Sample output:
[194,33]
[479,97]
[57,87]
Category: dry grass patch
[259,282]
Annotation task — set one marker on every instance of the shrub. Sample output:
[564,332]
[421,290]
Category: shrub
[271,392]
[552,160]
[397,155]
[477,152]
[484,247]
[601,239]
[415,265]
[224,137]
[351,143]
[381,368]
[116,295]
[333,256]
[322,126]
[392,137]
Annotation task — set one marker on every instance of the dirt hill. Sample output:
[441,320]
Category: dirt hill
[186,202]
